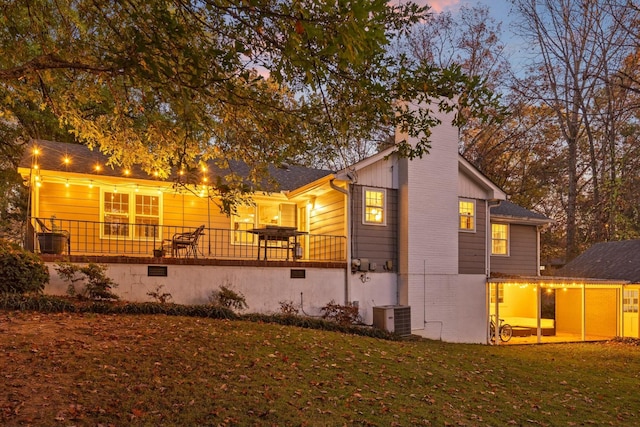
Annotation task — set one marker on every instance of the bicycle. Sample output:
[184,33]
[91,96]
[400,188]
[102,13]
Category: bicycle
[505,331]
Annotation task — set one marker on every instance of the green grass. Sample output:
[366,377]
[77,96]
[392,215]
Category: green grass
[95,369]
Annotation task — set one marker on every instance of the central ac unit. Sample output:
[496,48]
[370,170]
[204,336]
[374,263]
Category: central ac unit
[393,318]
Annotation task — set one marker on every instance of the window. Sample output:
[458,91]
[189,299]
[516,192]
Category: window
[499,239]
[147,216]
[243,220]
[492,293]
[630,301]
[125,213]
[260,215]
[374,207]
[467,212]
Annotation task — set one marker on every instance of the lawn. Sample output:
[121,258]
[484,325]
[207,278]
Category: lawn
[90,369]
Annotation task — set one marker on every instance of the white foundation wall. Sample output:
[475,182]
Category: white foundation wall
[263,287]
[371,290]
[454,309]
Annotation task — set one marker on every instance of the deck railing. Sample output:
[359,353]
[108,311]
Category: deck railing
[124,239]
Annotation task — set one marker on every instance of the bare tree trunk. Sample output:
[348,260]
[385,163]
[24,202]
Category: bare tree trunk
[575,44]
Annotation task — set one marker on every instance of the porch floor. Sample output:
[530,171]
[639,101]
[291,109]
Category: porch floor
[557,338]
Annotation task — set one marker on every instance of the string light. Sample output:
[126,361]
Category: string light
[90,183]
[66,160]
[66,184]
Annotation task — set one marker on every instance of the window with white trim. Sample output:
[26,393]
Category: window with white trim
[499,239]
[129,214]
[492,293]
[630,301]
[374,201]
[243,220]
[467,214]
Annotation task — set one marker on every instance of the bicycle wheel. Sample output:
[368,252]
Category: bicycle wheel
[506,332]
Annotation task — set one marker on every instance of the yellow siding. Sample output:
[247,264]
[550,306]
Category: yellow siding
[77,202]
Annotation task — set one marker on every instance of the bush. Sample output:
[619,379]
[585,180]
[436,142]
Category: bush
[288,308]
[40,303]
[342,314]
[21,271]
[228,298]
[97,285]
[159,296]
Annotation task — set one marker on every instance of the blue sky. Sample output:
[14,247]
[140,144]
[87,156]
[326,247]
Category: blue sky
[500,10]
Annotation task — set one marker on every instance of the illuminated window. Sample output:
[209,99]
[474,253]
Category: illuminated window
[492,293]
[116,214]
[243,220]
[261,215]
[499,239]
[128,214]
[374,206]
[147,217]
[467,213]
[630,301]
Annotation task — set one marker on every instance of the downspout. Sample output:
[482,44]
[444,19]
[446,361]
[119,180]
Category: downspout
[538,228]
[347,290]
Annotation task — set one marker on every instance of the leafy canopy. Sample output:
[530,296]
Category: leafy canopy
[168,83]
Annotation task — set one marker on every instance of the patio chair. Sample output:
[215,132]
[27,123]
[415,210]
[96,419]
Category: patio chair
[52,241]
[187,242]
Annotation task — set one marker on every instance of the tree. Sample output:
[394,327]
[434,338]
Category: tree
[173,82]
[577,47]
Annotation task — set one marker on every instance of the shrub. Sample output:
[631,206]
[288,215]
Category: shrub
[21,271]
[40,303]
[159,296]
[288,308]
[342,314]
[228,298]
[97,285]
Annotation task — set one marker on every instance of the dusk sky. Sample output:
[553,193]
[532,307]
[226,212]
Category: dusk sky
[499,9]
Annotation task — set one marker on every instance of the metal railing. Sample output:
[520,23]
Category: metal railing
[124,239]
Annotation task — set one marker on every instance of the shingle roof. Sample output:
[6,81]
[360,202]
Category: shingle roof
[83,161]
[607,260]
[509,209]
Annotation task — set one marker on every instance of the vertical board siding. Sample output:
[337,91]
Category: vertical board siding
[377,243]
[523,257]
[472,246]
[378,174]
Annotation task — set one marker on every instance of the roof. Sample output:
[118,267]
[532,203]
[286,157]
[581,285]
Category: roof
[83,161]
[509,210]
[607,260]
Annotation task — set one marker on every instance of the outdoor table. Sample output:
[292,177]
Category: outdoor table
[274,233]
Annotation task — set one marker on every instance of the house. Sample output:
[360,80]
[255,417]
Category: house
[427,246]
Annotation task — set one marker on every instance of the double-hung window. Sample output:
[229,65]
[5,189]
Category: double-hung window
[130,214]
[499,239]
[467,215]
[492,293]
[374,201]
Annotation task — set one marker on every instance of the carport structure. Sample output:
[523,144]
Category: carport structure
[557,309]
